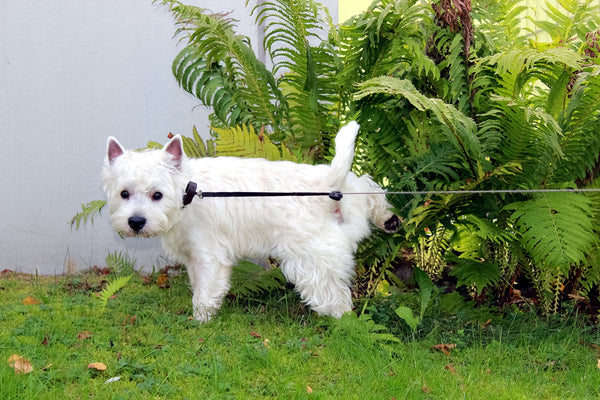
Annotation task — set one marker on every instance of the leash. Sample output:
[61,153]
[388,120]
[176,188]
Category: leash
[191,191]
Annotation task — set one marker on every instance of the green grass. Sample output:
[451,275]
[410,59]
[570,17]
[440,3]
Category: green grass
[273,347]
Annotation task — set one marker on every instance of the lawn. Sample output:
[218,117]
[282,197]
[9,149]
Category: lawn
[270,346]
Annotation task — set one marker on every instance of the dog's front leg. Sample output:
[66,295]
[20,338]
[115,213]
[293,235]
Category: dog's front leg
[209,286]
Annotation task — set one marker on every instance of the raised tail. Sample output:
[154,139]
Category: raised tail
[344,154]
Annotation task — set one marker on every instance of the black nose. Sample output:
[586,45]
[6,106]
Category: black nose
[136,223]
[391,225]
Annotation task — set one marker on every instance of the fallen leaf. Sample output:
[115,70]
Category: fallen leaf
[254,334]
[84,335]
[97,365]
[309,389]
[130,319]
[29,301]
[450,368]
[266,343]
[161,281]
[46,340]
[444,347]
[20,364]
[599,363]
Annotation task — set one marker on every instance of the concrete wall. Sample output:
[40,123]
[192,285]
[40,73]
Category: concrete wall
[73,72]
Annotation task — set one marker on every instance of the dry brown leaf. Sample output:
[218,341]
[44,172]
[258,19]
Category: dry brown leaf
[30,301]
[130,320]
[46,340]
[97,365]
[309,389]
[84,335]
[450,368]
[20,364]
[161,281]
[599,363]
[254,334]
[444,347]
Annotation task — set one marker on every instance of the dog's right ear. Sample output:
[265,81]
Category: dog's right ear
[113,149]
[175,149]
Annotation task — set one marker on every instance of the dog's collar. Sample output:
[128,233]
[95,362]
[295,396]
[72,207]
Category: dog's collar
[190,192]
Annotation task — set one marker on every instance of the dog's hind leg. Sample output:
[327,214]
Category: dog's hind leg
[323,281]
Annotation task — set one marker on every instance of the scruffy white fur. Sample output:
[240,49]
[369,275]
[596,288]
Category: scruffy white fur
[314,238]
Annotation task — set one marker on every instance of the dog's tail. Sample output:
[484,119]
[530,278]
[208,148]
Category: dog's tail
[344,154]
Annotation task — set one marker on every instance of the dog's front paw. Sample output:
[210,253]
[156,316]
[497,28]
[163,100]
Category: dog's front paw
[202,314]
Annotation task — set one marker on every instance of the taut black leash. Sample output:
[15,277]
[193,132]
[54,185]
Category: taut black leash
[191,191]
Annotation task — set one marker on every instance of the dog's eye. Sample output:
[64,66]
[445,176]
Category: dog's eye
[157,196]
[124,194]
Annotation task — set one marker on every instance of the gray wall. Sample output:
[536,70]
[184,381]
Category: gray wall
[73,72]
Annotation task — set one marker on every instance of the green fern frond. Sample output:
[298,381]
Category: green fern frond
[196,147]
[120,263]
[250,279]
[580,142]
[362,331]
[477,274]
[307,71]
[111,289]
[569,20]
[557,229]
[456,127]
[88,211]
[222,70]
[242,141]
[430,251]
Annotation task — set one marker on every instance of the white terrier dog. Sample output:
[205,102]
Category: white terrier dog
[314,238]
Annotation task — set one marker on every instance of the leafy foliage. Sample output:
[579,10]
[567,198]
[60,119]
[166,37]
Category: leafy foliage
[249,279]
[221,69]
[111,289]
[242,141]
[88,211]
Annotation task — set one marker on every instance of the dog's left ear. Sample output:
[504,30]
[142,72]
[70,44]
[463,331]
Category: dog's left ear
[175,149]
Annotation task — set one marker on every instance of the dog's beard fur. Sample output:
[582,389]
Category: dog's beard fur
[313,237]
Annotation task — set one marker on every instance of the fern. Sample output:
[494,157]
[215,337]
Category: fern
[196,147]
[250,279]
[361,331]
[120,263]
[221,69]
[570,20]
[242,141]
[88,211]
[111,289]
[477,274]
[556,228]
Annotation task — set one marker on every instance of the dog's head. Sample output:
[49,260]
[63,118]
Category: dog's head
[143,187]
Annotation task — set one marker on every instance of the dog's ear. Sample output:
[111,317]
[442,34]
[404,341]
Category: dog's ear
[175,149]
[113,149]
